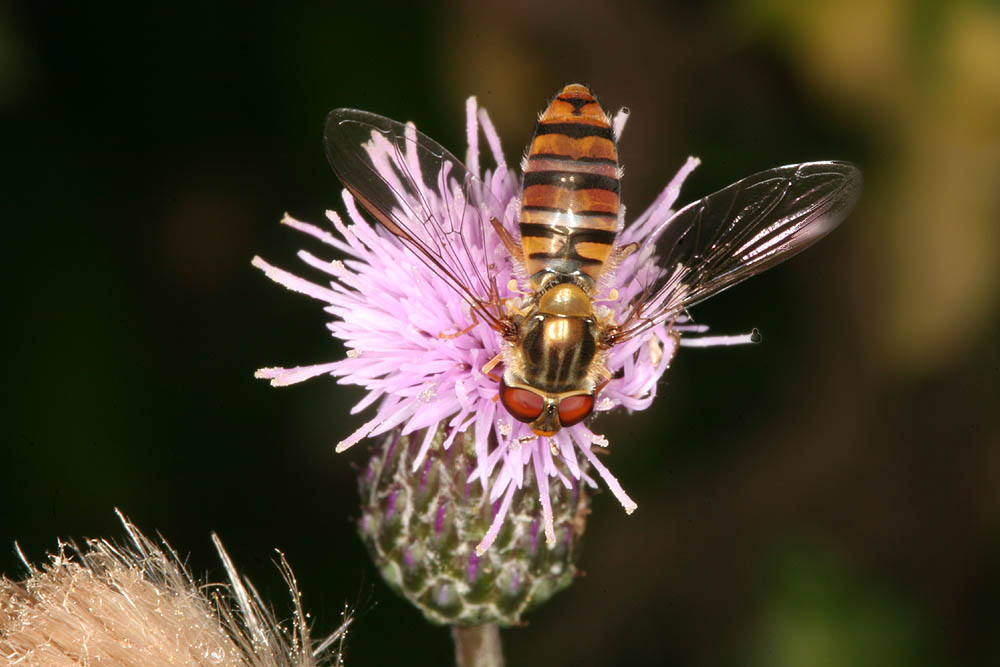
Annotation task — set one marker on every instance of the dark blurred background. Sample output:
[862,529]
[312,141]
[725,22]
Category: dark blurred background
[830,497]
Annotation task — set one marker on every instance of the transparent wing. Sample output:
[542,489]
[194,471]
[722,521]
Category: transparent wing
[737,232]
[424,196]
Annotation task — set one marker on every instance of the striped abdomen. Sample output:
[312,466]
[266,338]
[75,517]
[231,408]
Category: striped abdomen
[569,202]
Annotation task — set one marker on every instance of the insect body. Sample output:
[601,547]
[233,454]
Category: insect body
[556,343]
[569,200]
[568,223]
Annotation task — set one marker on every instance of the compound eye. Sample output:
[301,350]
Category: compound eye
[524,405]
[574,409]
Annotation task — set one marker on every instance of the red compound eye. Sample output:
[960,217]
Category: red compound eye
[573,409]
[524,405]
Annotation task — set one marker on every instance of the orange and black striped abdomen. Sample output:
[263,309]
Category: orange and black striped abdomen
[570,196]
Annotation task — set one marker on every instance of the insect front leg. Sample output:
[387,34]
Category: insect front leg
[610,298]
[449,336]
[487,369]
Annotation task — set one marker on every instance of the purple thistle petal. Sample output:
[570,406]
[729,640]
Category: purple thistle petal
[718,341]
[424,446]
[618,124]
[293,282]
[282,377]
[471,136]
[498,518]
[610,480]
[542,478]
[314,231]
[660,210]
[493,139]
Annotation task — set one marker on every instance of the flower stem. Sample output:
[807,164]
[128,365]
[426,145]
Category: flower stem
[477,645]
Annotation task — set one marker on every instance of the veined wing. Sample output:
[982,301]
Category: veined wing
[423,195]
[738,232]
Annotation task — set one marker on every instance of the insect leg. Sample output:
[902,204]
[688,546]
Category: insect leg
[508,241]
[610,298]
[512,286]
[490,365]
[450,336]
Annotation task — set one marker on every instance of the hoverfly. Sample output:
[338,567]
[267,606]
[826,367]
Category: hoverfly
[555,340]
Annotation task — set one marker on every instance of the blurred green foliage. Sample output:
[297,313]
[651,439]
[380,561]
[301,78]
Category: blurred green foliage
[150,150]
[817,610]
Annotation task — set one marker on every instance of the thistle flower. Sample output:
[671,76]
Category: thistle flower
[138,605]
[390,310]
[455,468]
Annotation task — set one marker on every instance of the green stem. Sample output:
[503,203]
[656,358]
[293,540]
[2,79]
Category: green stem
[477,645]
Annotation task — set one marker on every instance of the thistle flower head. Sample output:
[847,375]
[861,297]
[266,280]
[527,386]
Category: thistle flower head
[396,316]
